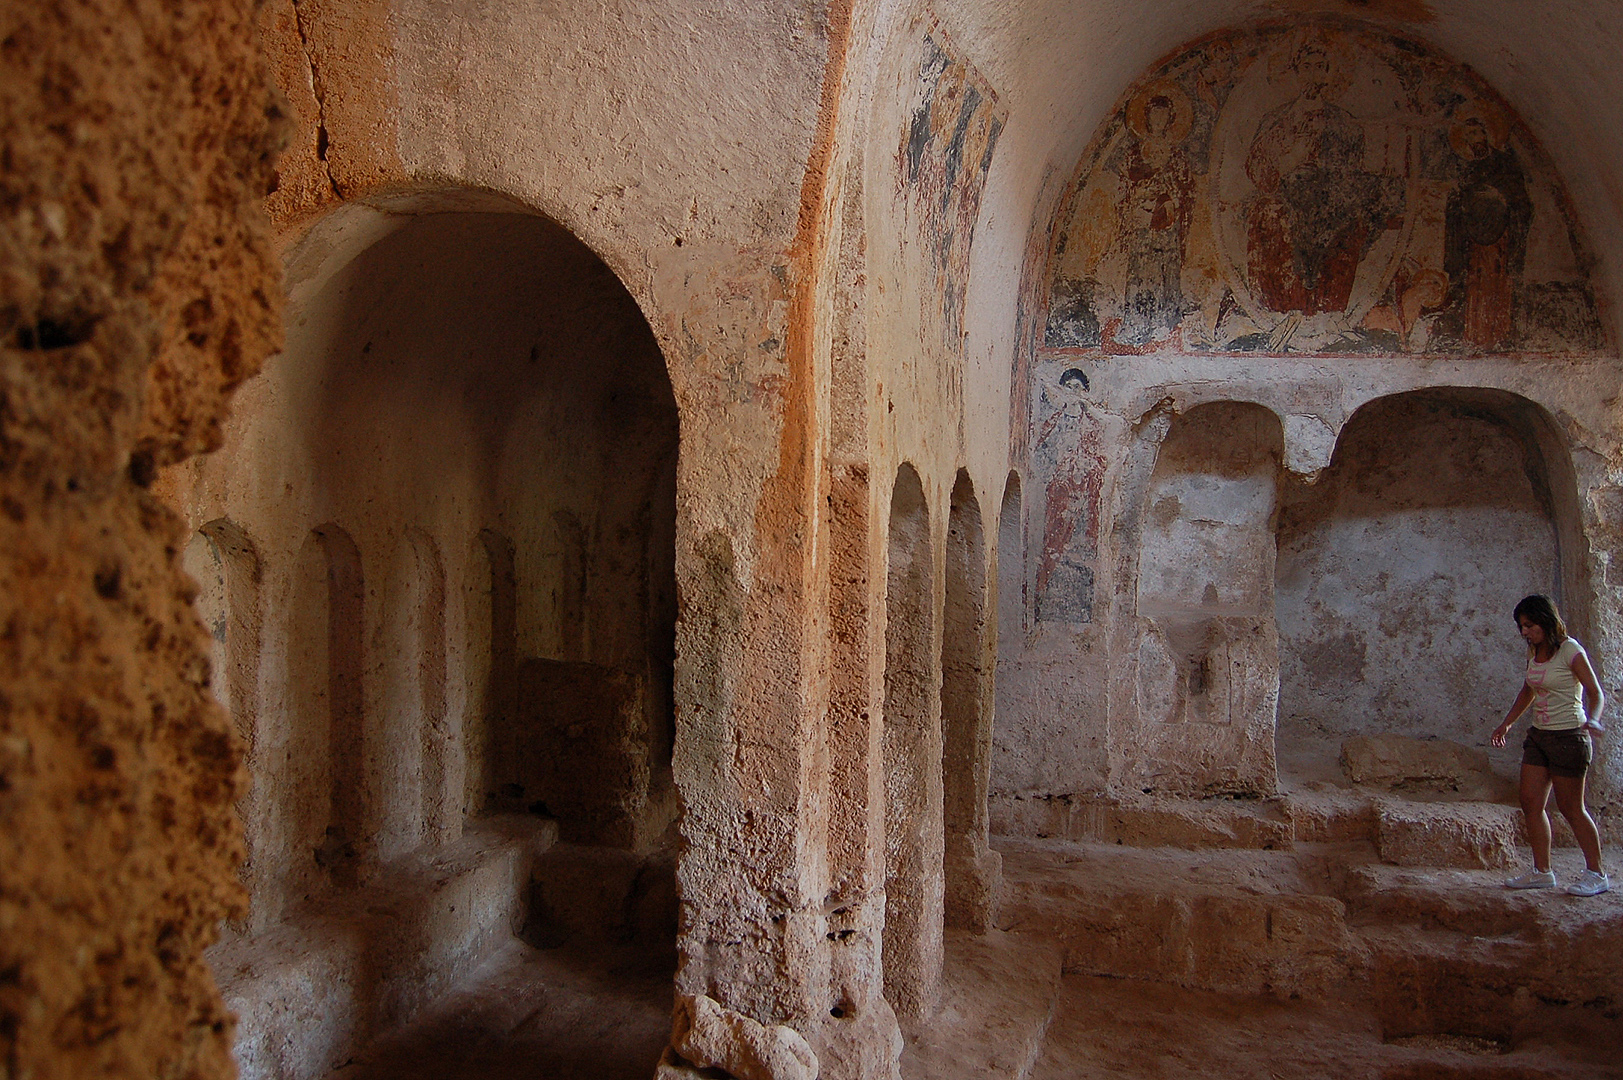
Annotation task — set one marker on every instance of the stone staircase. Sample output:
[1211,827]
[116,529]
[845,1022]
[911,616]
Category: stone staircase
[1380,919]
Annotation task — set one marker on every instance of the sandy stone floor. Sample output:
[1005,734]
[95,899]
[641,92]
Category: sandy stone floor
[1149,1031]
[583,1011]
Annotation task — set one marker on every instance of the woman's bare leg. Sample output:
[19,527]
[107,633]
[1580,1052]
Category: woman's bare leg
[1535,793]
[1569,798]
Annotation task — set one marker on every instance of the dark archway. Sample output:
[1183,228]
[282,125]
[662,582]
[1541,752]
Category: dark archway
[473,436]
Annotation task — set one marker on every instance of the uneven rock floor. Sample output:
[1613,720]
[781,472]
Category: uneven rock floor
[586,1011]
[1161,963]
[1080,1027]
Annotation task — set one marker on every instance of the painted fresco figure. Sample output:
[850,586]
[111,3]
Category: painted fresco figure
[1157,198]
[947,152]
[1485,230]
[1316,211]
[1069,455]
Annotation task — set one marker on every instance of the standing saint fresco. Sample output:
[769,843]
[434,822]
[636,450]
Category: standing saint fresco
[1156,202]
[946,153]
[1069,457]
[1486,224]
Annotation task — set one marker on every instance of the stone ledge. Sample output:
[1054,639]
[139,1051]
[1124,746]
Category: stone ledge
[1256,922]
[310,991]
[1147,823]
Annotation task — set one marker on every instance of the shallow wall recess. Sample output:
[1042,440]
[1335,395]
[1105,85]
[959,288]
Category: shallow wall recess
[1207,664]
[912,754]
[968,651]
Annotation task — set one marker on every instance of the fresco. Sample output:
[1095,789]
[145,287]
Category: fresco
[945,155]
[1324,190]
[1068,454]
[1319,190]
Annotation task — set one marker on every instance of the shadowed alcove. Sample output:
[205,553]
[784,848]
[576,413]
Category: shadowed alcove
[461,471]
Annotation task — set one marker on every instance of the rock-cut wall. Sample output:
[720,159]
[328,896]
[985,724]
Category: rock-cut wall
[136,289]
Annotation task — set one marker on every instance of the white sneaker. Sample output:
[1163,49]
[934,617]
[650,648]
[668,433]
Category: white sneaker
[1589,883]
[1533,879]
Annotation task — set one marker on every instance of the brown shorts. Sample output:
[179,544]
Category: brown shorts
[1564,753]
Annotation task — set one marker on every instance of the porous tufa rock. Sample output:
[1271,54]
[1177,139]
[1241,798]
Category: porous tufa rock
[672,1067]
[705,1035]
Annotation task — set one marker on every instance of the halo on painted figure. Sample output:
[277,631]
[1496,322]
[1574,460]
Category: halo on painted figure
[1492,121]
[1172,95]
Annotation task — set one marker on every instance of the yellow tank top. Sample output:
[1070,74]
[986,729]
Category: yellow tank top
[1557,693]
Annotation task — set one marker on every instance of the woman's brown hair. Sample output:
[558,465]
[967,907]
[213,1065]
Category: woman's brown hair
[1541,611]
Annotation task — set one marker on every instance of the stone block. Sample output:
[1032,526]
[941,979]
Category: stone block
[1472,836]
[1399,763]
[582,749]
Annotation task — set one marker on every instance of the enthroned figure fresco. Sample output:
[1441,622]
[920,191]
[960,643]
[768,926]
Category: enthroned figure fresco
[1317,209]
[1319,189]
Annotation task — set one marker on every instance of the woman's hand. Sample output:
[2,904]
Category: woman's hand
[1595,728]
[1499,733]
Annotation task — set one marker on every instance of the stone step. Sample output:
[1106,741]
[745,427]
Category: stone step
[1507,990]
[999,992]
[336,972]
[1238,921]
[1193,824]
[1433,951]
[1461,901]
[1455,951]
[1463,833]
[1406,831]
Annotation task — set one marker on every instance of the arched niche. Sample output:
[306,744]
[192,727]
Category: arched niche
[1208,662]
[414,698]
[490,666]
[1011,566]
[968,659]
[1009,691]
[539,410]
[1399,568]
[224,561]
[913,937]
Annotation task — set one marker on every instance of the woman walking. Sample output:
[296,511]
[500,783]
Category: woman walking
[1567,703]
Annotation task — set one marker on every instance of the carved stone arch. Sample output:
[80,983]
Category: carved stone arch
[1445,505]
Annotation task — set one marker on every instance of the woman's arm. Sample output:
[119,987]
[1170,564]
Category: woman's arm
[1523,699]
[1594,696]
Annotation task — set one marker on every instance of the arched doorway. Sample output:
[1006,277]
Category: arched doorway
[461,473]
